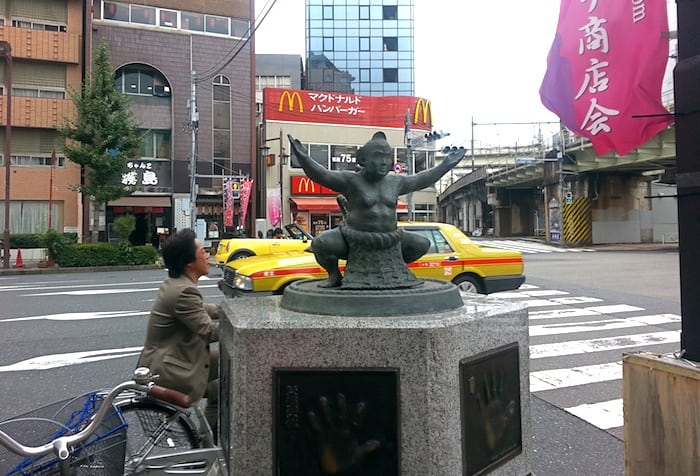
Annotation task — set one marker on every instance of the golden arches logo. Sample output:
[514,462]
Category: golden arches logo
[424,106]
[306,185]
[291,99]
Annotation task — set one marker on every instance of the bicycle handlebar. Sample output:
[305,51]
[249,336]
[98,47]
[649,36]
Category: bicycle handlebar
[61,445]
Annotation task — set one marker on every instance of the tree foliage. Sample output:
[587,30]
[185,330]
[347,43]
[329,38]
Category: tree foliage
[103,136]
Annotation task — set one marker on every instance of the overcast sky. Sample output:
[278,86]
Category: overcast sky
[480,59]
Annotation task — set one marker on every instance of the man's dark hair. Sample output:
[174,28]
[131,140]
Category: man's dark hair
[178,251]
[278,231]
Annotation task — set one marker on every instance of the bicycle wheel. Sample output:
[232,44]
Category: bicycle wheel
[155,428]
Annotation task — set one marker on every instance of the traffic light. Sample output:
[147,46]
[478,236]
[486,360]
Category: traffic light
[435,135]
[448,149]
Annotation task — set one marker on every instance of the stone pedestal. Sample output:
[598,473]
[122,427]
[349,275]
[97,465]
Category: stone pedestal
[447,372]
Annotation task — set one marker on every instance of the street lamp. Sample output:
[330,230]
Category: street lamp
[6,52]
[280,172]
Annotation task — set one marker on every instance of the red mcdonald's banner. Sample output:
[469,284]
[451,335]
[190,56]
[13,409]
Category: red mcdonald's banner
[321,107]
[303,185]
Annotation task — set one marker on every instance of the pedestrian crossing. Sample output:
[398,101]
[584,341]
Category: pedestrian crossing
[565,328]
[527,246]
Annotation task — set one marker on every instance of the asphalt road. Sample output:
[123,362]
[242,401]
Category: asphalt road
[64,334]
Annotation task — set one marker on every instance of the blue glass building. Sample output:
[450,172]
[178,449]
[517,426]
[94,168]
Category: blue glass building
[360,46]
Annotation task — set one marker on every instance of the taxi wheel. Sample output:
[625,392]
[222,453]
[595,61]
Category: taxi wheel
[467,284]
[241,255]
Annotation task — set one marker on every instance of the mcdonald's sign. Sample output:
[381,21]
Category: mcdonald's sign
[303,185]
[424,106]
[324,107]
[292,98]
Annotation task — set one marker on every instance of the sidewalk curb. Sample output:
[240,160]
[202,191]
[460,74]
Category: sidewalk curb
[85,269]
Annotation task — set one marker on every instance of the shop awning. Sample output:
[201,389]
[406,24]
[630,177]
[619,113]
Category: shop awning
[328,204]
[140,201]
[317,203]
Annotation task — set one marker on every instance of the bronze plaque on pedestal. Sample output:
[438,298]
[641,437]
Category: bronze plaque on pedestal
[339,421]
[491,418]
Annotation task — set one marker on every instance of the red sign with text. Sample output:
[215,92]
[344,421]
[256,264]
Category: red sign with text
[321,107]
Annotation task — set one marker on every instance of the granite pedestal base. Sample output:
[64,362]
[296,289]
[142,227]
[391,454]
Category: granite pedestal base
[444,373]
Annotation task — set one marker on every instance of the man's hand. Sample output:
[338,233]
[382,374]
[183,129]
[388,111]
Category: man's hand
[454,154]
[338,446]
[297,147]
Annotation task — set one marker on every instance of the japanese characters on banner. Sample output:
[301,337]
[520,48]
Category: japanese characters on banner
[246,187]
[274,206]
[605,71]
[323,107]
[228,201]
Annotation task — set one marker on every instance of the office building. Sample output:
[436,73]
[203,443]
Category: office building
[364,47]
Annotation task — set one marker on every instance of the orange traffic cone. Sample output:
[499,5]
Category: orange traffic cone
[18,262]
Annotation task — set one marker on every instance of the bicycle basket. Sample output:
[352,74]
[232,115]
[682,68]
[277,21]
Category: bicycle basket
[101,454]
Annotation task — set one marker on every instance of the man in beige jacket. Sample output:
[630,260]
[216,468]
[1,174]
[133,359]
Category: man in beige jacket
[181,326]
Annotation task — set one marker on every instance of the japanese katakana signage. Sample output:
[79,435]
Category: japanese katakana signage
[605,70]
[324,107]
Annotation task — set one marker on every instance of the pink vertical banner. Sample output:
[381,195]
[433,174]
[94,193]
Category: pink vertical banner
[246,187]
[605,71]
[228,202]
[274,207]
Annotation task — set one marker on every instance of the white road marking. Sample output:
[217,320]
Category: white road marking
[604,415]
[45,362]
[97,292]
[603,325]
[540,351]
[78,316]
[584,375]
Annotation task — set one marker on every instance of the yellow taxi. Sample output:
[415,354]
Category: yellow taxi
[296,239]
[452,257]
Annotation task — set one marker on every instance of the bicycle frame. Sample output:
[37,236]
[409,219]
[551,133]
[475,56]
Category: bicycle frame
[202,461]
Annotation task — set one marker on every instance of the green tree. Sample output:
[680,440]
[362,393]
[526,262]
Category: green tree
[102,137]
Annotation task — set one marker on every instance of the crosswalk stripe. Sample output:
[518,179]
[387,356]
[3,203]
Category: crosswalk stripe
[529,247]
[603,325]
[540,351]
[604,415]
[562,378]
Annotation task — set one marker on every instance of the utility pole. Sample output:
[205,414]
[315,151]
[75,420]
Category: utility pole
[409,159]
[6,52]
[685,81]
[194,125]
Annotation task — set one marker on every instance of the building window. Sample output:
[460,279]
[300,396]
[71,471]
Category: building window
[222,117]
[389,12]
[168,18]
[116,11]
[143,15]
[192,21]
[328,12]
[391,43]
[327,43]
[364,12]
[217,25]
[364,43]
[391,75]
[156,144]
[142,81]
[240,28]
[364,75]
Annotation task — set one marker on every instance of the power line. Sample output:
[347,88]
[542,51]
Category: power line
[235,51]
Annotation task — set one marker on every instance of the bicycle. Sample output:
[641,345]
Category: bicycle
[136,428]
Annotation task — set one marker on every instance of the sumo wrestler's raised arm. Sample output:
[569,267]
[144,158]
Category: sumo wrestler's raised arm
[428,177]
[336,180]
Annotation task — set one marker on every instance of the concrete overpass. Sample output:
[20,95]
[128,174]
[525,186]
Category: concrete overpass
[570,196]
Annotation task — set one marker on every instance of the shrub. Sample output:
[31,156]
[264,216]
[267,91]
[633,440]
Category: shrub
[55,242]
[123,226]
[105,254]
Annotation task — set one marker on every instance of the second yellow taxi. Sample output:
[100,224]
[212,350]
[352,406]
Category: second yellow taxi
[452,257]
